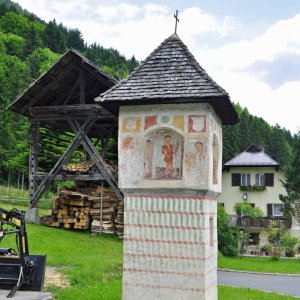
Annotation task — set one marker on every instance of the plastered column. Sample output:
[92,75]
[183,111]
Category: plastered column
[170,172]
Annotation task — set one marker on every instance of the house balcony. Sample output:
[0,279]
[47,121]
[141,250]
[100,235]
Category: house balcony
[266,222]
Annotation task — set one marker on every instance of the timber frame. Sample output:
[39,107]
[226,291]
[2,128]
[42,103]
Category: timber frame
[63,98]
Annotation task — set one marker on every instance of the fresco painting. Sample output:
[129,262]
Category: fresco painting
[165,119]
[129,147]
[197,123]
[149,151]
[131,124]
[196,160]
[150,121]
[216,150]
[163,155]
[178,121]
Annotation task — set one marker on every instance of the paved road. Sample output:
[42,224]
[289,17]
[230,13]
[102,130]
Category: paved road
[26,295]
[289,285]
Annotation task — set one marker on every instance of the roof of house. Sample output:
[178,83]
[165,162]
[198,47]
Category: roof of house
[170,74]
[252,156]
[58,83]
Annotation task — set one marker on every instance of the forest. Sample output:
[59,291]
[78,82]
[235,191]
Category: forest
[29,46]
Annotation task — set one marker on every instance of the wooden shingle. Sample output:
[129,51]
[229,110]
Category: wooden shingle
[170,74]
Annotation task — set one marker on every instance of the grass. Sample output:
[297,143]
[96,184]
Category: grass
[15,196]
[9,206]
[93,264]
[228,293]
[260,264]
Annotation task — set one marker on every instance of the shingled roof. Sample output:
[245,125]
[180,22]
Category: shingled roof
[170,74]
[252,156]
[54,86]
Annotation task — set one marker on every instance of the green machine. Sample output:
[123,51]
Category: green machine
[18,269]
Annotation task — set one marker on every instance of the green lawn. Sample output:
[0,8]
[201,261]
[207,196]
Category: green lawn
[228,293]
[260,264]
[6,206]
[93,264]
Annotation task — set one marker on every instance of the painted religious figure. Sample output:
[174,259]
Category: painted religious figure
[195,160]
[168,151]
[149,150]
[163,155]
[129,147]
[215,159]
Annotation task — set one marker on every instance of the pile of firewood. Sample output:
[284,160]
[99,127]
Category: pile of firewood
[104,215]
[83,167]
[86,206]
[120,220]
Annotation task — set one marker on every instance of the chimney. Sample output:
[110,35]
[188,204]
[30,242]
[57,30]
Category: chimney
[261,148]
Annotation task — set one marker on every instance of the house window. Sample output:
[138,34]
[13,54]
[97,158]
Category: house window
[245,179]
[260,179]
[275,210]
[278,210]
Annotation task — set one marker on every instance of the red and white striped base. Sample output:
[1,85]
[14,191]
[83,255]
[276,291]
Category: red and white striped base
[170,247]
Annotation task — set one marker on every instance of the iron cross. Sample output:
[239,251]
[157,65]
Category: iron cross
[176,20]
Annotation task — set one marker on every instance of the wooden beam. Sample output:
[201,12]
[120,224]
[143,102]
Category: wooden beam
[33,159]
[70,177]
[98,160]
[52,113]
[106,143]
[47,88]
[71,92]
[65,157]
[81,87]
[59,99]
[95,74]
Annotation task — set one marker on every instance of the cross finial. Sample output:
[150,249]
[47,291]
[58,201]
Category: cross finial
[176,20]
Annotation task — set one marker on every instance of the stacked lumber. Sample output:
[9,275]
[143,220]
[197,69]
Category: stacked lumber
[71,209]
[103,216]
[120,220]
[87,206]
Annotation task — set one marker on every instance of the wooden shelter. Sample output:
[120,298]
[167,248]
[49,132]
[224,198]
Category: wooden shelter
[64,97]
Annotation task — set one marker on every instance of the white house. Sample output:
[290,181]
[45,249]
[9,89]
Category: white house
[253,176]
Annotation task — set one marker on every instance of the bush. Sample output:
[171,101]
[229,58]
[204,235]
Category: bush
[288,243]
[245,209]
[227,242]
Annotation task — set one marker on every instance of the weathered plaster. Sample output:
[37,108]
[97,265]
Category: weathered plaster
[170,173]
[171,145]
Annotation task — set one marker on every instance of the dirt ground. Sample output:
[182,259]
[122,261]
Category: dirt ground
[54,277]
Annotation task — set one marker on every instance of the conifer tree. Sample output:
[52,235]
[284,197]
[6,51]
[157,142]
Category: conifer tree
[292,185]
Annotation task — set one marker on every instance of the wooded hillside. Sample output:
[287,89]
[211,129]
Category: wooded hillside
[29,46]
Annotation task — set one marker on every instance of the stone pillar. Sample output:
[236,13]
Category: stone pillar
[170,173]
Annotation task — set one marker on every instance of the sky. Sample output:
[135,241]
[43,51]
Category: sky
[249,47]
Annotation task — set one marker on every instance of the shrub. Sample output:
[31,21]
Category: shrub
[288,243]
[245,209]
[227,242]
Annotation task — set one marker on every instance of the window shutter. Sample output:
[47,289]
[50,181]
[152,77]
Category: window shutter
[269,210]
[269,179]
[235,179]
